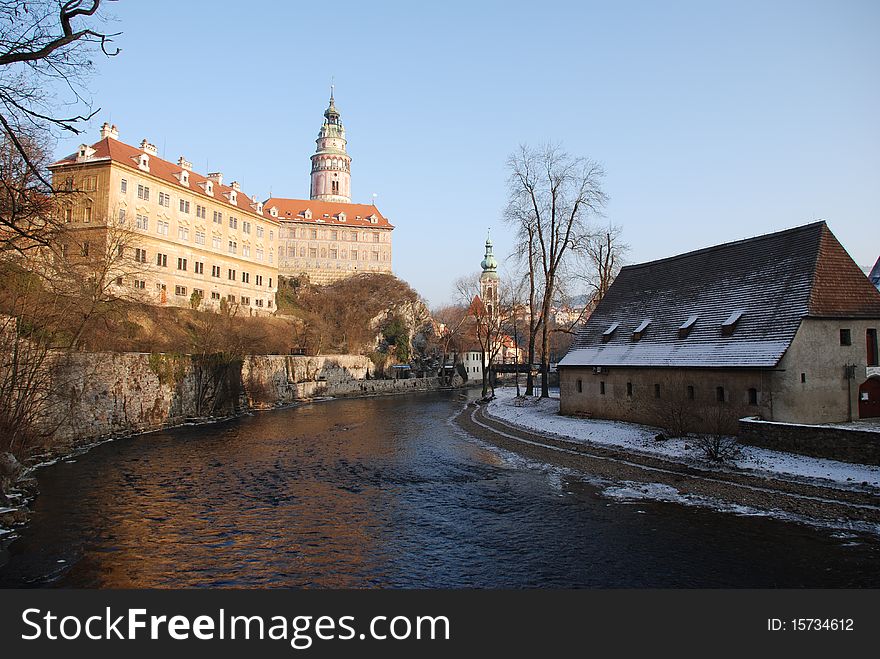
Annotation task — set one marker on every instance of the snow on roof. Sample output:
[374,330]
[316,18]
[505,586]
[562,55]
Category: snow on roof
[764,285]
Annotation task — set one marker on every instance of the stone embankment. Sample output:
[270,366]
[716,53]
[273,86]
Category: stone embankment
[856,507]
[109,394]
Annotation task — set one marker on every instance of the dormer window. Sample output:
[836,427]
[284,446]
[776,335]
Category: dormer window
[341,217]
[144,162]
[273,211]
[374,219]
[308,214]
[729,325]
[209,188]
[639,332]
[607,334]
[233,197]
[686,327]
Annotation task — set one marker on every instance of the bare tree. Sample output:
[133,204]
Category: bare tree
[603,251]
[486,325]
[45,46]
[552,197]
[451,321]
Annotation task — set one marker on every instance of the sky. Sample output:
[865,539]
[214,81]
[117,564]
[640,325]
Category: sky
[714,121]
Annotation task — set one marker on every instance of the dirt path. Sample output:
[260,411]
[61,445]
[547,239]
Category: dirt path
[831,504]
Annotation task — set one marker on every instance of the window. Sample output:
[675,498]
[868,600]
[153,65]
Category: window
[62,251]
[686,327]
[123,186]
[258,280]
[270,282]
[246,277]
[245,300]
[260,232]
[162,228]
[690,392]
[719,394]
[87,214]
[803,378]
[608,333]
[215,242]
[181,264]
[871,344]
[119,281]
[729,325]
[245,250]
[375,237]
[354,236]
[121,216]
[333,234]
[259,302]
[184,206]
[84,248]
[68,215]
[313,252]
[753,396]
[218,217]
[845,337]
[180,290]
[198,292]
[602,388]
[215,295]
[215,270]
[354,255]
[639,331]
[270,256]
[139,284]
[164,199]
[580,385]
[201,212]
[333,253]
[162,260]
[140,255]
[259,254]
[246,226]
[199,268]
[182,233]
[142,222]
[143,192]
[656,390]
[233,247]
[629,389]
[233,222]
[313,234]
[230,274]
[231,298]
[200,237]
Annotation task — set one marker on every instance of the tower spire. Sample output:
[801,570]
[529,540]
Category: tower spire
[331,164]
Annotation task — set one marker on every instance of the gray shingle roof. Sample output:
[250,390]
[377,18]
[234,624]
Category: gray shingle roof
[769,279]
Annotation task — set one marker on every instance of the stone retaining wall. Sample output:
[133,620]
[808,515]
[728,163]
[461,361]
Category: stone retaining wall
[849,445]
[105,394]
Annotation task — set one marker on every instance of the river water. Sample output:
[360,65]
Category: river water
[384,492]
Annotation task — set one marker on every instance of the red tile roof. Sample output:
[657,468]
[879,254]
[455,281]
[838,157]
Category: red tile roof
[125,154]
[840,288]
[326,212]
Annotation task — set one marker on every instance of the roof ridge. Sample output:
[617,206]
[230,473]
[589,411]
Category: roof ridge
[713,248]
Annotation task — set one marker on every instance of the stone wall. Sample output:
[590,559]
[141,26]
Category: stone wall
[105,394]
[849,445]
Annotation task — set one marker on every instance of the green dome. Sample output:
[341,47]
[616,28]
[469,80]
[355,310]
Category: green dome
[489,264]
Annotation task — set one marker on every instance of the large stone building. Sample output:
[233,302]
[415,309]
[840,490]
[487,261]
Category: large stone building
[186,238]
[782,326]
[191,239]
[326,237]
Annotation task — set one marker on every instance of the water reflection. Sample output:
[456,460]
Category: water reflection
[382,493]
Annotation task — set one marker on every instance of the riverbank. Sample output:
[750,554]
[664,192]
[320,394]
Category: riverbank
[628,464]
[122,395]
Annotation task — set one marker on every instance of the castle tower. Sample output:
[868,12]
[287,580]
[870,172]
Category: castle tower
[489,279]
[331,165]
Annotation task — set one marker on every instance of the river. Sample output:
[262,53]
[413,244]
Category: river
[388,493]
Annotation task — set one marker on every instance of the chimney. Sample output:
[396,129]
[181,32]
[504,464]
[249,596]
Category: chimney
[217,177]
[183,163]
[235,185]
[109,131]
[151,149]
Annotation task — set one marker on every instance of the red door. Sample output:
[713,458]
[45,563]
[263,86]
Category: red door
[869,398]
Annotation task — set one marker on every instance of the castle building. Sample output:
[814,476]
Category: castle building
[183,238]
[186,239]
[326,237]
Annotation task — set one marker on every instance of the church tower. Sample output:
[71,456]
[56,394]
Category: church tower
[331,165]
[489,279]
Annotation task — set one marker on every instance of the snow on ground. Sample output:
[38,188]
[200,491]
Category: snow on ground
[542,415]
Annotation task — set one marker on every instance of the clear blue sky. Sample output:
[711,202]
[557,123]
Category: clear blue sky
[714,120]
